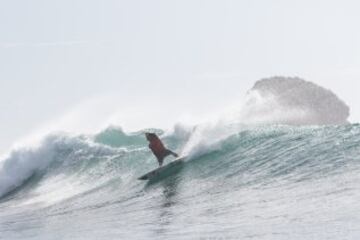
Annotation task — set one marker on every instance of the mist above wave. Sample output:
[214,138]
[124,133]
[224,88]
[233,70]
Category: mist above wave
[271,101]
[293,101]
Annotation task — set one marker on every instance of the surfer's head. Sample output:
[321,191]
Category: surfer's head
[150,136]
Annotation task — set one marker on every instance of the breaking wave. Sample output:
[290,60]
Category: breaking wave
[256,164]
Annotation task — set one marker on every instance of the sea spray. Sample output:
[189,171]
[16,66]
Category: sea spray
[294,101]
[277,100]
[59,149]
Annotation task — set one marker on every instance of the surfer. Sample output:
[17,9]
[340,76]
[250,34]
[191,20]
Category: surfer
[158,148]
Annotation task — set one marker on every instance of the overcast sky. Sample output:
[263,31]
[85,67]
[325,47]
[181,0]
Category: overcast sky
[169,58]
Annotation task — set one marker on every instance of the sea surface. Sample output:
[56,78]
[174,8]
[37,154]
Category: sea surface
[265,182]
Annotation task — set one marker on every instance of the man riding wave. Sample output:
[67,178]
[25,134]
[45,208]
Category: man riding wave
[158,148]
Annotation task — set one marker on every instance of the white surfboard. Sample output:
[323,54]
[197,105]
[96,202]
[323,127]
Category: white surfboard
[158,171]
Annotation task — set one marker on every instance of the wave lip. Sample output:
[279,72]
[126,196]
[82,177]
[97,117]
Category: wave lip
[21,164]
[68,153]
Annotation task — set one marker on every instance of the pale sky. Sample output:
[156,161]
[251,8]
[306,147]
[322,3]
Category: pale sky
[169,58]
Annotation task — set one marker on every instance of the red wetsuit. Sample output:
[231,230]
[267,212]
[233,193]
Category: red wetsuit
[157,147]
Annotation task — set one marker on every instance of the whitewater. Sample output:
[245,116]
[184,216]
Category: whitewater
[285,166]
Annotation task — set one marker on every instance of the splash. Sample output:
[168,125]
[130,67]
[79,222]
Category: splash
[292,101]
[73,152]
[277,100]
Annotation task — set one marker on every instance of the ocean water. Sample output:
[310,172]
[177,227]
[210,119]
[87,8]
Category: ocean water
[295,177]
[271,182]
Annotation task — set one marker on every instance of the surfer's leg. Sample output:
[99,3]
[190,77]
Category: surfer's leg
[160,160]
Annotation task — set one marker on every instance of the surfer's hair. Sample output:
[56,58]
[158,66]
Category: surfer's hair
[151,135]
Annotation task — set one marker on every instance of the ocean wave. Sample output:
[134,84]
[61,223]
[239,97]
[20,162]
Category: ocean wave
[254,135]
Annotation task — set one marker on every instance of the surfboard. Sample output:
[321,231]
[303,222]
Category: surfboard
[158,171]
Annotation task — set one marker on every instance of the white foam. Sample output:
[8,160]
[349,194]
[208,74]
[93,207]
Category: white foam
[22,163]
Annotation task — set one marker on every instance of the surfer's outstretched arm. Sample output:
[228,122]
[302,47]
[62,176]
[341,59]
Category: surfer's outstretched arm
[168,152]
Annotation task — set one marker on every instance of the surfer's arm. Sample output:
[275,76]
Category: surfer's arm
[168,152]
